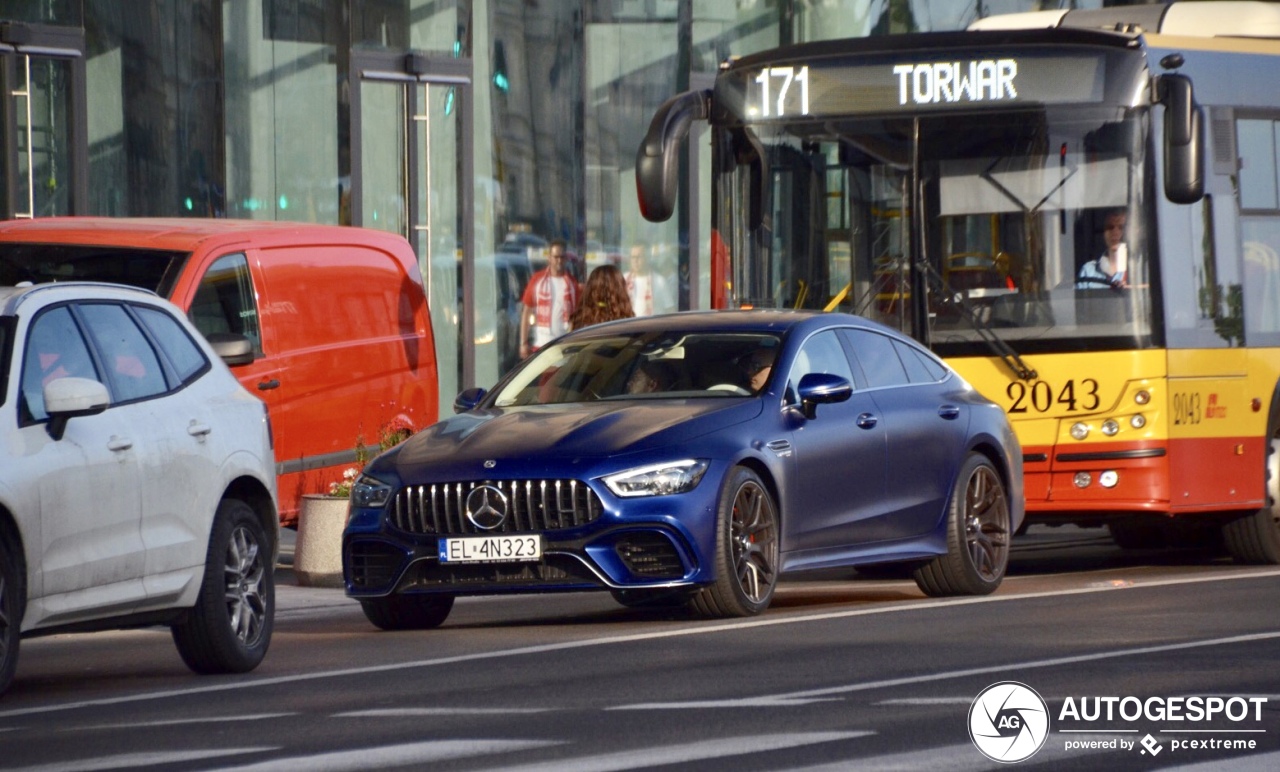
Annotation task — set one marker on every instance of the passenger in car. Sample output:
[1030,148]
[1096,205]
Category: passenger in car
[651,377]
[757,365]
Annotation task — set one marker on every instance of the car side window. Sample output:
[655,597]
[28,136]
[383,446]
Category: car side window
[183,354]
[226,302]
[132,366]
[55,349]
[879,360]
[821,353]
[921,368]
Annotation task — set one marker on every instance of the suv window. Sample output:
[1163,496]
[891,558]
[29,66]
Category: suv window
[183,354]
[132,366]
[225,301]
[55,349]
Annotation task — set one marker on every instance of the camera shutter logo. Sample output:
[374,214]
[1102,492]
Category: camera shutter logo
[1008,722]
[486,507]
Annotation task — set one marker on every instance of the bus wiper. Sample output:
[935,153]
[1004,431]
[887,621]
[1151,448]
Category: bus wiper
[938,287]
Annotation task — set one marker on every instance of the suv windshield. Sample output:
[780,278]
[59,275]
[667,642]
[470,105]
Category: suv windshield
[662,365]
[149,269]
[998,222]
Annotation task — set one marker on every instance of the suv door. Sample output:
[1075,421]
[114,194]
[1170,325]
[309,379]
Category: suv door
[90,542]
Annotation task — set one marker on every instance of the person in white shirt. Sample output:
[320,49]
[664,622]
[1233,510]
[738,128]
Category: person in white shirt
[640,283]
[548,302]
[1110,269]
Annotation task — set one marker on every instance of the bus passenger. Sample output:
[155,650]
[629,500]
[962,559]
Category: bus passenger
[1110,268]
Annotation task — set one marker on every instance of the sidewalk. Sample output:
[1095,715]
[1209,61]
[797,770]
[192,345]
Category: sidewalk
[292,596]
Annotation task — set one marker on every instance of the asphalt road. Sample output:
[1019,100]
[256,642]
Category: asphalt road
[841,673]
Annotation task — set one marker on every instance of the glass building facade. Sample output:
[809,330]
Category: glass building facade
[477,129]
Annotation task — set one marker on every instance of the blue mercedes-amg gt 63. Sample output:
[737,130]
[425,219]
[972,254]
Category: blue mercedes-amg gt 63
[694,459]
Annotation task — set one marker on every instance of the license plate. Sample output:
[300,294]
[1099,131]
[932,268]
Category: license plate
[491,549]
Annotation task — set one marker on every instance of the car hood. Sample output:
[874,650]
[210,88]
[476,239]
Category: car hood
[566,432]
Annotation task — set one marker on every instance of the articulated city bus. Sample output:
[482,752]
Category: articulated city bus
[960,186]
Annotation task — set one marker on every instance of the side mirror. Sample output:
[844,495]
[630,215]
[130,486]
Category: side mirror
[822,389]
[468,399]
[657,160]
[1183,140]
[67,398]
[232,348]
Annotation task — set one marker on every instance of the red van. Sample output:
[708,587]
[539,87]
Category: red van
[337,318]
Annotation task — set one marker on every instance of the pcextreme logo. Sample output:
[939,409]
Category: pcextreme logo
[1008,722]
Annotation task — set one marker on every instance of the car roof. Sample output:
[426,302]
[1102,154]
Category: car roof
[184,234]
[13,297]
[740,320]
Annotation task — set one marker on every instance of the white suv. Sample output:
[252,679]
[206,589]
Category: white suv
[137,478]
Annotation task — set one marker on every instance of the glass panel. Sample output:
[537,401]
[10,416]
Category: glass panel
[382,154]
[282,108]
[42,106]
[1258,165]
[440,235]
[64,12]
[183,354]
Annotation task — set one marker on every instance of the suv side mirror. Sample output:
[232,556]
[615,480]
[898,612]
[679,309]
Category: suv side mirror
[67,398]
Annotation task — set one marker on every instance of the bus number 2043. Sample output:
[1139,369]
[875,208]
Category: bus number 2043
[1041,396]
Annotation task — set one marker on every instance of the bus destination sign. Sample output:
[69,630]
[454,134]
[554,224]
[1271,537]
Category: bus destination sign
[822,88]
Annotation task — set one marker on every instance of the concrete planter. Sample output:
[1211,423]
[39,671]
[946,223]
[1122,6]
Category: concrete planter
[317,555]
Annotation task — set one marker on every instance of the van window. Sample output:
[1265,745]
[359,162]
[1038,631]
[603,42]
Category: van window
[150,269]
[225,301]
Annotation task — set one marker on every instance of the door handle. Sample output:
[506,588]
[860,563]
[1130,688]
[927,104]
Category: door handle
[949,412]
[200,430]
[867,421]
[119,443]
[268,385]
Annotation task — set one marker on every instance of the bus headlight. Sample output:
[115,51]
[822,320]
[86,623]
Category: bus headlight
[1082,479]
[1138,421]
[1110,427]
[1079,430]
[1142,397]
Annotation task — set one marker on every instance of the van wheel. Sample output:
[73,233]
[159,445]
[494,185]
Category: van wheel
[229,628]
[13,597]
[1255,538]
[407,612]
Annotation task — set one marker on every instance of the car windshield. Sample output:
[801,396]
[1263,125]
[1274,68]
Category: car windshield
[149,269]
[649,365]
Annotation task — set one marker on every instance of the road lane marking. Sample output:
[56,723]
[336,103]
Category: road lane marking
[406,754]
[887,683]
[708,629]
[410,712]
[927,701]
[725,747]
[953,758]
[135,760]
[173,722]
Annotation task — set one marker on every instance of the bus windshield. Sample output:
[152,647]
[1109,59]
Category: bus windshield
[1030,224]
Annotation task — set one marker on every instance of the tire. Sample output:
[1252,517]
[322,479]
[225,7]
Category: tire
[1255,538]
[746,560]
[978,535]
[407,612]
[13,598]
[229,629]
[664,597]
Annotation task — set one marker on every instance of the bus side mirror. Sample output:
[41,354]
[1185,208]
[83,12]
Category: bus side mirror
[1183,140]
[657,162]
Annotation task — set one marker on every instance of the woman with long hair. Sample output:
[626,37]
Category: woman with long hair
[604,298]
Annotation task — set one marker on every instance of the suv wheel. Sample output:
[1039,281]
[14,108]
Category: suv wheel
[229,628]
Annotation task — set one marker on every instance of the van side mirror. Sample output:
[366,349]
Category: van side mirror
[1183,140]
[67,398]
[232,348]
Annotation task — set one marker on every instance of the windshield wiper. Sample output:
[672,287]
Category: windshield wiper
[938,287]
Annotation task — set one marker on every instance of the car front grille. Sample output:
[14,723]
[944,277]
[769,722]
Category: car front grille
[531,506]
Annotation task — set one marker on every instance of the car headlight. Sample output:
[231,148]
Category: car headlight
[657,479]
[370,493]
